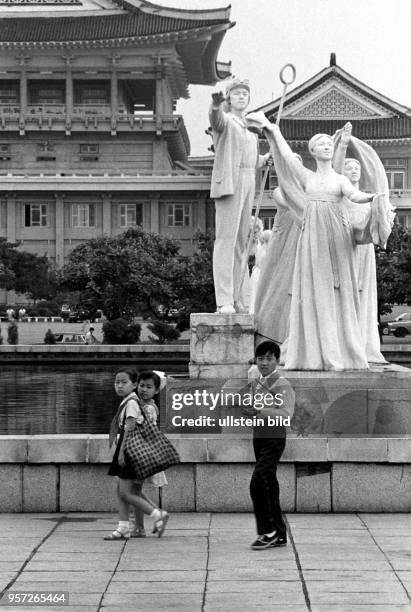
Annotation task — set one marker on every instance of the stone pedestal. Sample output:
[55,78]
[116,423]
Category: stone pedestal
[221,345]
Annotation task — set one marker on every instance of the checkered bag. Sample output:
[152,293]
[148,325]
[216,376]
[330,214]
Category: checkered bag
[148,450]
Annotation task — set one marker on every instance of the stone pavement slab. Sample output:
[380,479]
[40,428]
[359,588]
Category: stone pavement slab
[203,563]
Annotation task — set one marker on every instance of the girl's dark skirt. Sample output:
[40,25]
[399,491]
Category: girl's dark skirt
[117,470]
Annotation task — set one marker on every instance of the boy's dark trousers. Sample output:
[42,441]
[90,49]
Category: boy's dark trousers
[264,488]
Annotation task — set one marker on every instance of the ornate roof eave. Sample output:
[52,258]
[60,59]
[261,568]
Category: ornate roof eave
[151,39]
[203,69]
[177,13]
[272,107]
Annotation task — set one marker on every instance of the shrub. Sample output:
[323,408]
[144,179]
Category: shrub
[183,323]
[13,333]
[163,332]
[49,338]
[120,331]
[46,309]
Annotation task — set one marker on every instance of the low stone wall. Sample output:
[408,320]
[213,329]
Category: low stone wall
[167,355]
[68,473]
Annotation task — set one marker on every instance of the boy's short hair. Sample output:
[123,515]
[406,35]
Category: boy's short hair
[268,347]
[150,375]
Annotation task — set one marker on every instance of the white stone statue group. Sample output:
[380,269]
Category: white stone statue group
[316,291]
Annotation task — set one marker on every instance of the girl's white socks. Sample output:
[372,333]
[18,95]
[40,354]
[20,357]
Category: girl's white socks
[156,514]
[123,526]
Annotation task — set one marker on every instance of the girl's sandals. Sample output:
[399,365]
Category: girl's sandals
[117,535]
[138,533]
[161,523]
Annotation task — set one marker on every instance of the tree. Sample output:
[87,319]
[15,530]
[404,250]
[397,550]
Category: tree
[49,337]
[394,270]
[195,287]
[163,332]
[121,331]
[12,333]
[24,272]
[125,275]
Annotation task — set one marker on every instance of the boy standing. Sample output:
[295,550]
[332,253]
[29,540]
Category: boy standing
[277,397]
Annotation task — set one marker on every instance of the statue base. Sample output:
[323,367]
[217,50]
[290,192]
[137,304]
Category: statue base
[221,345]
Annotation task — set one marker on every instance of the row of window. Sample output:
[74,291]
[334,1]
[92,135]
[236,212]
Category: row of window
[84,215]
[47,147]
[43,93]
[396,178]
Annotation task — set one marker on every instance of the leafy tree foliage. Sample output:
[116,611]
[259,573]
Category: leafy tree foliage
[163,332]
[195,287]
[137,272]
[394,270]
[24,272]
[121,331]
[13,333]
[49,337]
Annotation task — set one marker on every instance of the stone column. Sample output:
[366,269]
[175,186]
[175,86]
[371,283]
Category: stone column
[59,229]
[159,106]
[69,93]
[201,212]
[23,91]
[106,198]
[11,219]
[155,214]
[114,93]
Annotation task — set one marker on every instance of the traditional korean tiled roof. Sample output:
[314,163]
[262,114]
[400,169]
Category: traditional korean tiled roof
[94,28]
[365,129]
[333,96]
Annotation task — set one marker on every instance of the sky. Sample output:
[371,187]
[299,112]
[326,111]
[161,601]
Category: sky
[371,39]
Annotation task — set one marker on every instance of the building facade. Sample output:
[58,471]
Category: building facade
[90,143]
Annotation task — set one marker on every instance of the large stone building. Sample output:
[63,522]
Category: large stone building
[90,143]
[323,104]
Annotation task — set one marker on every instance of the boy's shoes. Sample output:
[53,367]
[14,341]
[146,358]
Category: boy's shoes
[269,542]
[137,533]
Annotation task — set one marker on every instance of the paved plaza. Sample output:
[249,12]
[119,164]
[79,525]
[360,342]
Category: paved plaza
[338,562]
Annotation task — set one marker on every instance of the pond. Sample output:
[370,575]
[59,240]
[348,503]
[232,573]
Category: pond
[57,399]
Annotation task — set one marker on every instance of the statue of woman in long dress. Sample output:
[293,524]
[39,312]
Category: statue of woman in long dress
[273,298]
[324,331]
[366,266]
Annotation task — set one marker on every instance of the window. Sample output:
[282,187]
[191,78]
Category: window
[404,220]
[268,222]
[46,152]
[35,215]
[91,95]
[89,148]
[40,93]
[179,215]
[9,93]
[396,179]
[271,180]
[83,215]
[5,152]
[395,169]
[45,147]
[89,152]
[131,214]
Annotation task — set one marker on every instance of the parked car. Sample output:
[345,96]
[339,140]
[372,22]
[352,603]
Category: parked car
[401,325]
[65,311]
[69,338]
